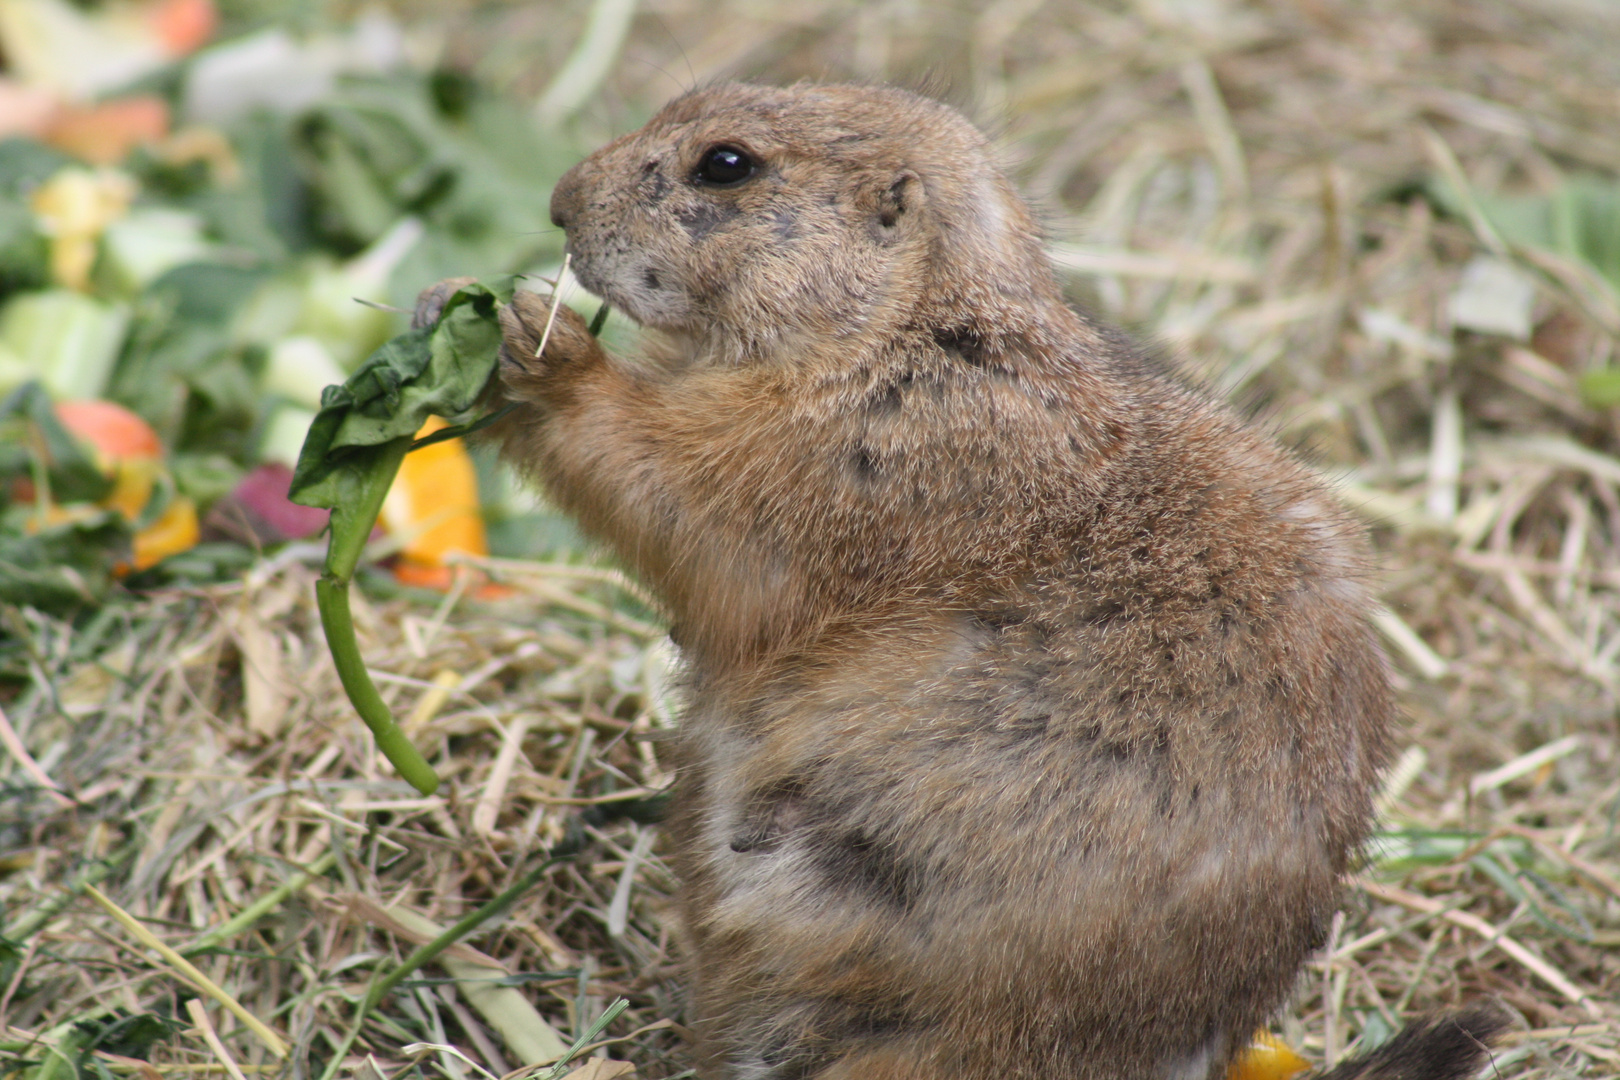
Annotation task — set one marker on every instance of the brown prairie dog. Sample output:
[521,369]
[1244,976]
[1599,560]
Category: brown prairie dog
[1033,710]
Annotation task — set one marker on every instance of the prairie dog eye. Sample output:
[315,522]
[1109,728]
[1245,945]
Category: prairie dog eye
[724,165]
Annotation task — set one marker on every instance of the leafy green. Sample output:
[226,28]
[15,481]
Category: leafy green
[182,360]
[37,440]
[353,450]
[468,164]
[1580,219]
[61,566]
[416,375]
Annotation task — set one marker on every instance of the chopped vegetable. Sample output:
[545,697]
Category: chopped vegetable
[105,133]
[147,243]
[126,449]
[74,207]
[129,451]
[257,510]
[111,429]
[299,367]
[174,531]
[69,341]
[183,25]
[433,505]
[1267,1058]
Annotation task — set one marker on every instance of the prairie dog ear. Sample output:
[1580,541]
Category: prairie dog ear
[896,204]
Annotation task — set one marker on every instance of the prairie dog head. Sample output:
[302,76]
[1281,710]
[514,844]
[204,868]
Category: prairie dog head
[755,221]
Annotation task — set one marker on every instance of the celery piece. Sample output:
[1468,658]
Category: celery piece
[284,433]
[298,368]
[69,340]
[14,370]
[150,241]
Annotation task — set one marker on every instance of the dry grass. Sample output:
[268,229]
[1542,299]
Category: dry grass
[1232,179]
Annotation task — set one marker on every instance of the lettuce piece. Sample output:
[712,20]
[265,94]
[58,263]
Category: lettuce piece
[67,339]
[420,373]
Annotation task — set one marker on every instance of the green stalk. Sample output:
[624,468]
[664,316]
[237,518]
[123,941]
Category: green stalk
[425,954]
[261,907]
[466,925]
[351,526]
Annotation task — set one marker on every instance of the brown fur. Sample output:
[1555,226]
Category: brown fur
[1034,713]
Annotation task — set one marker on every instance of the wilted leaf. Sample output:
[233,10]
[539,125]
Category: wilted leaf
[418,374]
[64,565]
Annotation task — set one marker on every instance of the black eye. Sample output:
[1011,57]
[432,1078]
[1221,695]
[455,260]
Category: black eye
[725,165]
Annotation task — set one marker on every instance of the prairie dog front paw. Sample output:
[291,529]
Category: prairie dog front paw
[524,327]
[568,342]
[431,300]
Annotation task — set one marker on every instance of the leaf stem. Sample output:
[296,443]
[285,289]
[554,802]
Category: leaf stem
[351,526]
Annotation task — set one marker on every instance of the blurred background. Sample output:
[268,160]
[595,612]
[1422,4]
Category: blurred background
[1388,231]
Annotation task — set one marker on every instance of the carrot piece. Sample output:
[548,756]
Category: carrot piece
[183,25]
[1266,1058]
[175,531]
[433,505]
[105,133]
[115,432]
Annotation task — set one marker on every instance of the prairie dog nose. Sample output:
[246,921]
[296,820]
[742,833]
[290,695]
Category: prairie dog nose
[567,199]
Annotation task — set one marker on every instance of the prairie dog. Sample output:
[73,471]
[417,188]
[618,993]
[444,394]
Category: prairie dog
[1033,712]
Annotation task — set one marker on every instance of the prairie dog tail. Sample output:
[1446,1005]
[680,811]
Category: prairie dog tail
[1449,1046]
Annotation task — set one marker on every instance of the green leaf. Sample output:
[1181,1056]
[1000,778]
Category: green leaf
[1580,219]
[1398,851]
[129,1036]
[418,374]
[71,473]
[1601,389]
[183,368]
[25,163]
[63,566]
[24,252]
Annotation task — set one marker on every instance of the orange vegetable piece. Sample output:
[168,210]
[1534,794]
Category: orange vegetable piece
[115,432]
[128,450]
[183,25]
[433,505]
[1267,1058]
[105,133]
[175,531]
[133,479]
[125,448]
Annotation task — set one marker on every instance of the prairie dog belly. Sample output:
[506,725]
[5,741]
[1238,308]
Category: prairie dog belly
[892,842]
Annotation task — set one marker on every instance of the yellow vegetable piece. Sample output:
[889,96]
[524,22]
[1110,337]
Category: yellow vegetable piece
[74,207]
[133,479]
[174,532]
[1267,1058]
[433,506]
